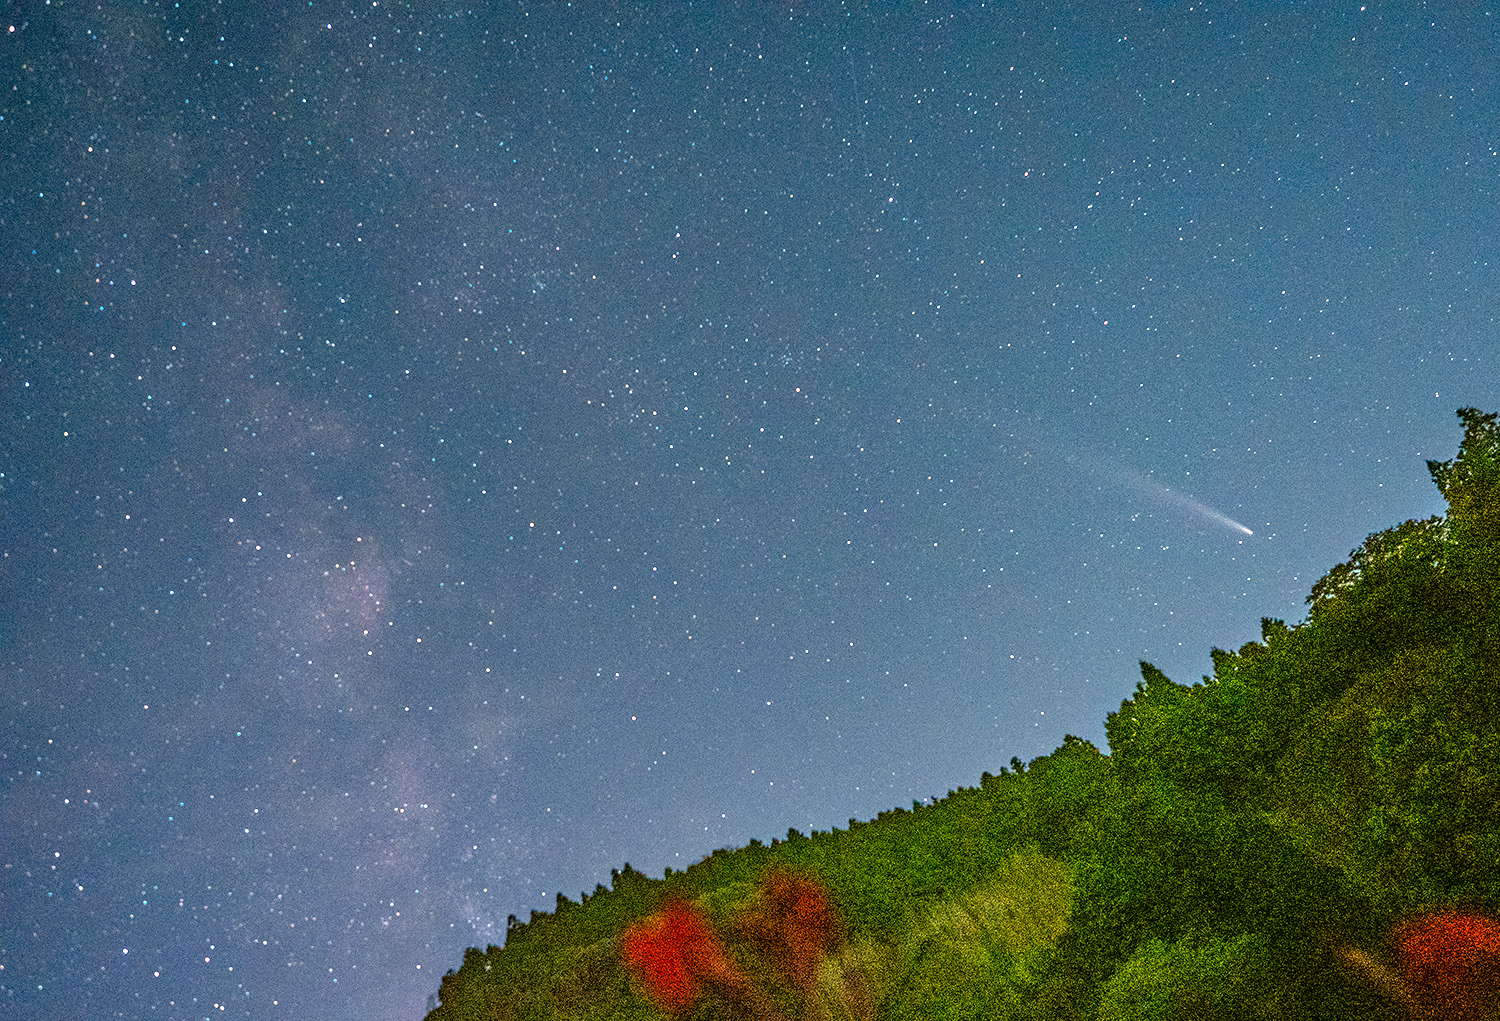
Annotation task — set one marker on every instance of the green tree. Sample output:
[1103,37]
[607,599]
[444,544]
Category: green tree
[981,954]
[1471,485]
[1191,980]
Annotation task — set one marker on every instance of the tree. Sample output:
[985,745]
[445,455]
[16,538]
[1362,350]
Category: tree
[1471,485]
[1190,979]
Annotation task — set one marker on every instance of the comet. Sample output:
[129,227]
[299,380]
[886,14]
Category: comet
[1149,487]
[1186,502]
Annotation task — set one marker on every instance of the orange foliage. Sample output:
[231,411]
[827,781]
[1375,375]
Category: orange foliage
[1450,962]
[795,926]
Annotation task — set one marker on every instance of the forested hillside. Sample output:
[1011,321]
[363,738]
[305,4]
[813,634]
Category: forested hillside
[1311,832]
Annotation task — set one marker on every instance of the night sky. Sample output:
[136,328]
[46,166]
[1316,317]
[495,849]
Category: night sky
[447,453]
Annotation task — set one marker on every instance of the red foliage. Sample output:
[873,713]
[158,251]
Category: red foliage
[676,955]
[675,952]
[1451,963]
[795,926]
[659,950]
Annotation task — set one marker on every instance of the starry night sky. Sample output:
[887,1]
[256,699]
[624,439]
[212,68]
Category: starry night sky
[447,453]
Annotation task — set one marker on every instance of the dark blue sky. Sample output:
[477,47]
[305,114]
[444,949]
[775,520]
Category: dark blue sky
[447,453]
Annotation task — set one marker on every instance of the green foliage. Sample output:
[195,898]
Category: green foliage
[980,955]
[1321,784]
[1060,791]
[1191,981]
[1433,785]
[1470,483]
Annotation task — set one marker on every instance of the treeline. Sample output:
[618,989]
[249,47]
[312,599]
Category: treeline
[1248,848]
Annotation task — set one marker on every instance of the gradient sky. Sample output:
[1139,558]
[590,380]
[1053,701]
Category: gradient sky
[449,452]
